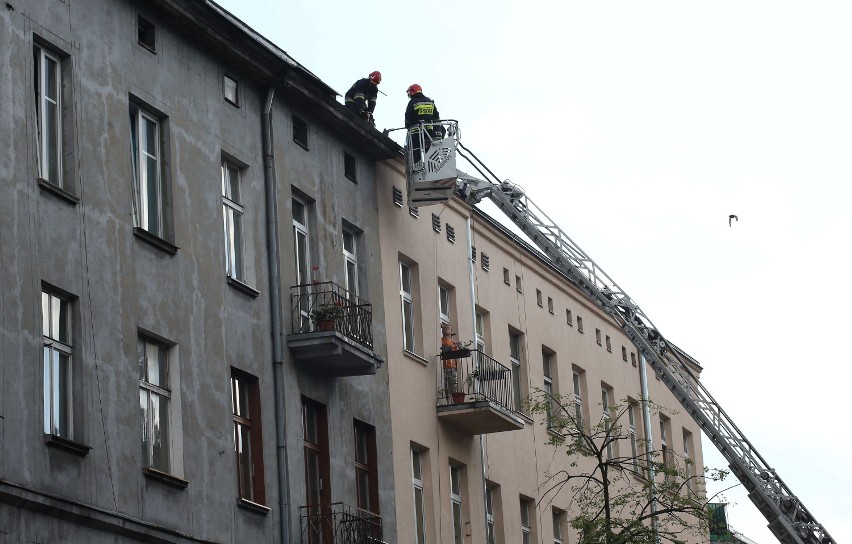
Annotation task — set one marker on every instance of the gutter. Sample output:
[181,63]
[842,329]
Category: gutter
[274,262]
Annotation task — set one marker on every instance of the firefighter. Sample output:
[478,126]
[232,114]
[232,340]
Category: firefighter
[361,97]
[421,109]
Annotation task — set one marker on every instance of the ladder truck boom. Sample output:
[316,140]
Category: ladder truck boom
[789,520]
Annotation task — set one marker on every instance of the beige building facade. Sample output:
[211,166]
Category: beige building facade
[466,469]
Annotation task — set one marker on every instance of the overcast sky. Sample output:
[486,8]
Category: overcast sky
[640,127]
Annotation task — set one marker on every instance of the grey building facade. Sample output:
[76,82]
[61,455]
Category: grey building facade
[182,200]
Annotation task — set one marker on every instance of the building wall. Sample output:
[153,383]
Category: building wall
[121,284]
[516,462]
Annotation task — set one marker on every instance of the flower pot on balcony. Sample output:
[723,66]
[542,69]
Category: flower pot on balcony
[325,325]
[455,354]
[458,397]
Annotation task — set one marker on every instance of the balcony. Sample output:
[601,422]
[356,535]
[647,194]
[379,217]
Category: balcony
[339,523]
[476,393]
[331,331]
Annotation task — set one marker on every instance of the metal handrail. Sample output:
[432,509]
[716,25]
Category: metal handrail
[350,315]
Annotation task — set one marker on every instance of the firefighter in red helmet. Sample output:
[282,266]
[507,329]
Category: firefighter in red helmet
[361,97]
[421,109]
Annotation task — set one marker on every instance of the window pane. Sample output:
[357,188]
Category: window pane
[160,433]
[454,480]
[405,277]
[145,426]
[299,212]
[415,465]
[408,325]
[48,391]
[55,318]
[361,445]
[51,143]
[348,241]
[351,277]
[45,314]
[313,477]
[419,516]
[237,244]
[152,196]
[458,533]
[363,485]
[243,447]
[62,406]
[302,261]
[311,425]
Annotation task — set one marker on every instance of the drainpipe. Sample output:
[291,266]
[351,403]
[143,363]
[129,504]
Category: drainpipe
[649,445]
[273,244]
[472,275]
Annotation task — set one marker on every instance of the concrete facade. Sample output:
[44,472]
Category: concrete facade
[517,293]
[82,240]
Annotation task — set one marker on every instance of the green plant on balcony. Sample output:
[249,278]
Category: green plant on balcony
[325,314]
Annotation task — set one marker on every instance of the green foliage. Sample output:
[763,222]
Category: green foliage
[616,500]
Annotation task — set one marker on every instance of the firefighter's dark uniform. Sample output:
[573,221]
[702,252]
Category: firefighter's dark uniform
[421,109]
[361,97]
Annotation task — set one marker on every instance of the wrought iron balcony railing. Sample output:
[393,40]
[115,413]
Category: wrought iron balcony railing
[327,306]
[471,375]
[339,523]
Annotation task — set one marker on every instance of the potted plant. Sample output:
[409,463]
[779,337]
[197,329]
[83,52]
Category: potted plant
[324,315]
[459,350]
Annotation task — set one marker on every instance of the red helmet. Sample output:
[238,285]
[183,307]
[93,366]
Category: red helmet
[414,89]
[375,77]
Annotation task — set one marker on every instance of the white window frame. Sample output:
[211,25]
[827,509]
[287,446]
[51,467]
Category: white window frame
[234,225]
[141,155]
[578,398]
[350,260]
[490,537]
[605,404]
[456,505]
[444,305]
[301,232]
[526,522]
[417,489]
[46,62]
[407,306]
[149,391]
[57,330]
[558,518]
[515,359]
[547,370]
[634,447]
[664,444]
[688,464]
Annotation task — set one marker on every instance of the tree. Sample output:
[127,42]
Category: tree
[616,498]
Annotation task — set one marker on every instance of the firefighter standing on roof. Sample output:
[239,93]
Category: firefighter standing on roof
[421,109]
[361,97]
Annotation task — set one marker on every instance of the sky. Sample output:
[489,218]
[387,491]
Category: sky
[639,127]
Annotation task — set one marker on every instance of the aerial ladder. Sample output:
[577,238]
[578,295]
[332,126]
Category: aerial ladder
[435,179]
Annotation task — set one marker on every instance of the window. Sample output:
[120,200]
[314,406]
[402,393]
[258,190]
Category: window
[419,503]
[248,442]
[301,239]
[49,110]
[580,324]
[489,514]
[548,367]
[154,403]
[526,521]
[444,304]
[436,222]
[350,259]
[624,354]
[397,196]
[317,480]
[577,379]
[518,285]
[300,132]
[57,329]
[149,187]
[366,475]
[407,298]
[506,276]
[634,449]
[451,234]
[515,358]
[538,298]
[479,323]
[456,501]
[688,462]
[232,90]
[550,304]
[598,336]
[569,318]
[233,215]
[665,453]
[606,405]
[558,522]
[350,167]
[608,344]
[146,34]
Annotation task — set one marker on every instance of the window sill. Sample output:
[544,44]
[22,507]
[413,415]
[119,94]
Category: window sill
[302,145]
[53,441]
[57,191]
[246,504]
[416,357]
[155,241]
[242,287]
[168,479]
